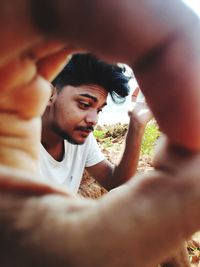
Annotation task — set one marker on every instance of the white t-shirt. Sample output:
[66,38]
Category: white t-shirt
[69,171]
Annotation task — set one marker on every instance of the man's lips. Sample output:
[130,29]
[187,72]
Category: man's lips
[85,130]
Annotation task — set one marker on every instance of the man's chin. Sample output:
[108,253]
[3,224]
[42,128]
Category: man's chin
[79,142]
[74,141]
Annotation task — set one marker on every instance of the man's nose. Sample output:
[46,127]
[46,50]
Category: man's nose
[92,117]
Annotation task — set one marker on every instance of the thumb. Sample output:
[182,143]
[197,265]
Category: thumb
[51,65]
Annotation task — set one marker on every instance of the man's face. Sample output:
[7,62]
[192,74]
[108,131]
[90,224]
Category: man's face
[75,110]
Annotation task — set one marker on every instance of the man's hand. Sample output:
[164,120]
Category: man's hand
[24,93]
[139,111]
[127,167]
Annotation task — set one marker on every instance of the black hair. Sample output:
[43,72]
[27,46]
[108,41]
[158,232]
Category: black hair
[85,69]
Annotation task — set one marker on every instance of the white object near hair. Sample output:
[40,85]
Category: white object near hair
[140,97]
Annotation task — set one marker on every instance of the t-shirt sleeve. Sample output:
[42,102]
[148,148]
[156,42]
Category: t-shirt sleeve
[94,155]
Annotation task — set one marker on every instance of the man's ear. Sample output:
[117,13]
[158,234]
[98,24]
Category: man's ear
[53,95]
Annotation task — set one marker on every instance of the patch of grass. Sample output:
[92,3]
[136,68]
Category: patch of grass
[102,138]
[150,138]
[99,134]
[107,143]
[110,136]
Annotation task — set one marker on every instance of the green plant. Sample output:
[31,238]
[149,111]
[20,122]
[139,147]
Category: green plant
[107,143]
[106,134]
[99,135]
[150,137]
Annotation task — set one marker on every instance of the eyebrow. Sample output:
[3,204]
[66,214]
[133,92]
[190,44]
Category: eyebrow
[89,96]
[93,98]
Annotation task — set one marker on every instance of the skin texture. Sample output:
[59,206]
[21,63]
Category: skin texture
[42,226]
[70,109]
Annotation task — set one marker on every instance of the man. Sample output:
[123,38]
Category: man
[68,146]
[42,225]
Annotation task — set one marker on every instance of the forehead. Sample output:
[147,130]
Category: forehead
[90,89]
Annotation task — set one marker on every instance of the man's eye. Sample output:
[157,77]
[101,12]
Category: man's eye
[84,105]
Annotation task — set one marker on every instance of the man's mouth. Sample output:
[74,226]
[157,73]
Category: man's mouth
[85,130]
